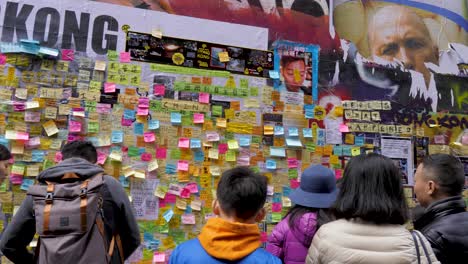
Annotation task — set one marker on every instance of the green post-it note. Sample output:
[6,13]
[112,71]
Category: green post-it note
[47,164]
[310,146]
[292,174]
[112,55]
[253,91]
[175,154]
[231,155]
[147,254]
[187,119]
[255,169]
[276,217]
[229,136]
[133,151]
[244,83]
[95,86]
[256,139]
[217,110]
[93,127]
[155,105]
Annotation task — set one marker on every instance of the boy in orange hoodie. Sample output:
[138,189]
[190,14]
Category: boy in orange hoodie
[233,236]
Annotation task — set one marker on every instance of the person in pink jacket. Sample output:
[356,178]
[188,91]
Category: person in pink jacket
[292,237]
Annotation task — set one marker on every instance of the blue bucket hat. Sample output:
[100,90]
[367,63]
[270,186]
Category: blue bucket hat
[318,188]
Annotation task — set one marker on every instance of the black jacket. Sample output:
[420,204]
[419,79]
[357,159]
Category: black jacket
[445,225]
[118,214]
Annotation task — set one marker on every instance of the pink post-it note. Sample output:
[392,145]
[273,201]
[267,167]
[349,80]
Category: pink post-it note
[182,165]
[58,157]
[142,111]
[193,187]
[159,257]
[22,136]
[109,87]
[185,193]
[276,207]
[124,57]
[338,174]
[102,157]
[3,59]
[159,89]
[204,98]
[149,137]
[292,163]
[263,237]
[294,183]
[222,148]
[161,153]
[344,128]
[439,139]
[146,156]
[198,118]
[127,122]
[68,55]
[74,126]
[184,143]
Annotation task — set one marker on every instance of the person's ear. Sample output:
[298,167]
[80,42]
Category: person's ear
[431,187]
[261,214]
[215,207]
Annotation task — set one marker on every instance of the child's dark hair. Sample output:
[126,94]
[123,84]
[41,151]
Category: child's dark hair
[297,211]
[80,149]
[5,154]
[241,192]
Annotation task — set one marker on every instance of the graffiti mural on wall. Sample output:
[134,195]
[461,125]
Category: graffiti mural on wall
[413,53]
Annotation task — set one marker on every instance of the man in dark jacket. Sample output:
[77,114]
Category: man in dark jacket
[78,158]
[439,182]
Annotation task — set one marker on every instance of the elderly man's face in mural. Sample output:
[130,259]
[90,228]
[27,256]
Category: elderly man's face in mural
[293,72]
[396,32]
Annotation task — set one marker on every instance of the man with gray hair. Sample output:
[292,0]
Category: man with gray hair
[397,33]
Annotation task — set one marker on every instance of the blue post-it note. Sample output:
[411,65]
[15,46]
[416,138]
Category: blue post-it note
[138,128]
[199,156]
[244,141]
[307,132]
[279,131]
[153,124]
[293,142]
[277,152]
[26,184]
[271,164]
[168,215]
[359,140]
[176,118]
[338,150]
[171,168]
[274,74]
[117,136]
[293,132]
[129,114]
[195,143]
[37,155]
[347,150]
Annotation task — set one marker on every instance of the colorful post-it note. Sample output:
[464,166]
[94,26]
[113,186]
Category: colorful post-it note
[184,143]
[109,87]
[159,89]
[198,118]
[124,57]
[204,98]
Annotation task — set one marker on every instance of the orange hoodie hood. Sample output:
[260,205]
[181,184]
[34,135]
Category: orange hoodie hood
[228,240]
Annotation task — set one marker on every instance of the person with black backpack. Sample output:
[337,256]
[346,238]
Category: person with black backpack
[80,214]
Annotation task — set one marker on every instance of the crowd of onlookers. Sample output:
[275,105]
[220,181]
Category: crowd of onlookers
[360,219]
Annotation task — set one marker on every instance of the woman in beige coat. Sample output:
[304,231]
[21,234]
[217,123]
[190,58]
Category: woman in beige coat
[371,212]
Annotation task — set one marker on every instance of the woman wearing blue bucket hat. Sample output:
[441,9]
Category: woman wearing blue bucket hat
[292,237]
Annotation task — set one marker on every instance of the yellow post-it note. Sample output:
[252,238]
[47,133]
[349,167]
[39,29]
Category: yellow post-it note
[297,75]
[50,128]
[153,165]
[356,151]
[233,144]
[221,122]
[223,56]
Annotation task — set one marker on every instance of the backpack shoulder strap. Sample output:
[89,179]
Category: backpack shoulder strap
[49,199]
